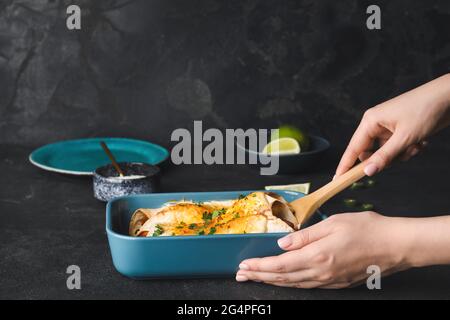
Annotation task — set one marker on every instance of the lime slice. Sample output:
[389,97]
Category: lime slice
[282,146]
[299,187]
[287,131]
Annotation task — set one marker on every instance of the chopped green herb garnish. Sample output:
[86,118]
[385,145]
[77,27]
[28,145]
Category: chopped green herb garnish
[236,215]
[217,213]
[370,183]
[367,206]
[179,227]
[207,216]
[241,196]
[357,185]
[212,230]
[192,226]
[202,232]
[350,202]
[158,231]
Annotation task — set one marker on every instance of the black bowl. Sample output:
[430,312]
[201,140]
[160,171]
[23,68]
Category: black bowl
[108,184]
[297,163]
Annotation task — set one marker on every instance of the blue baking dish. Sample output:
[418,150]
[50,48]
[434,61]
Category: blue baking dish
[183,256]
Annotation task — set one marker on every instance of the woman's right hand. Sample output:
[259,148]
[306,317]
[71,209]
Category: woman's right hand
[400,126]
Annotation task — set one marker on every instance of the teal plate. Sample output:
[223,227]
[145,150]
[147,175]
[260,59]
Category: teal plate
[83,156]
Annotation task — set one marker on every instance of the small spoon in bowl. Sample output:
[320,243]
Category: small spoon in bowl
[111,157]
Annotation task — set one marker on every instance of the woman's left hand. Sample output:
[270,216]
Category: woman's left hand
[334,253]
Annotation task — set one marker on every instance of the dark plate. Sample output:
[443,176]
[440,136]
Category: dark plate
[301,162]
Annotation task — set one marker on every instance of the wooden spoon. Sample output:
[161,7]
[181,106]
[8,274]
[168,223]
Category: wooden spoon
[306,206]
[111,157]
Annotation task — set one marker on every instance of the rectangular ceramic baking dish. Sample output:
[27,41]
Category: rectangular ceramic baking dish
[183,256]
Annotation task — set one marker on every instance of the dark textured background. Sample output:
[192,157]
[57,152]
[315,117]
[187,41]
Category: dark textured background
[143,68]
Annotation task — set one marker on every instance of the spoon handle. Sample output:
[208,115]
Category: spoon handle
[111,157]
[339,183]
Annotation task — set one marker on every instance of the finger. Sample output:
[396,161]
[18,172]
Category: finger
[287,262]
[289,277]
[303,237]
[413,150]
[340,285]
[404,157]
[422,145]
[365,155]
[384,155]
[300,285]
[410,152]
[382,142]
[360,142]
[282,284]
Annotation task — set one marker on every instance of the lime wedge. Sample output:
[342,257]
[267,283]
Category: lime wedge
[299,187]
[288,131]
[282,146]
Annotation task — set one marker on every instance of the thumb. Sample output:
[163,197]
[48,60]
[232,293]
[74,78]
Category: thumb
[301,238]
[386,154]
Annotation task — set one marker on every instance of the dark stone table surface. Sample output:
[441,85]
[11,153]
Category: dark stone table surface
[50,221]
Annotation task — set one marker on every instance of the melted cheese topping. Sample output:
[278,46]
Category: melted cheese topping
[251,214]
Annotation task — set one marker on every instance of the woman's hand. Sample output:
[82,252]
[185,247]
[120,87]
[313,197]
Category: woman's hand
[399,126]
[334,253]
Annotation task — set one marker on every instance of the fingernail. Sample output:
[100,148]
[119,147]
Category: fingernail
[243,266]
[334,177]
[284,242]
[241,278]
[371,169]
